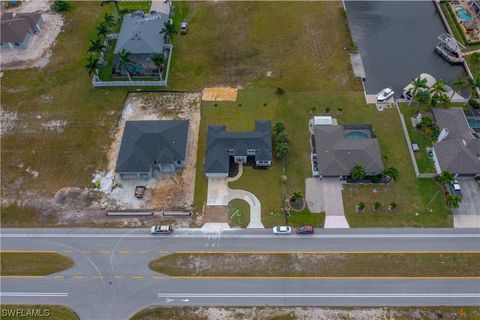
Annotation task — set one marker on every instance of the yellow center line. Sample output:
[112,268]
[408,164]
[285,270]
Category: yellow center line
[137,277]
[332,277]
[124,251]
[328,252]
[98,277]
[28,251]
[162,251]
[143,251]
[59,277]
[157,277]
[22,277]
[77,277]
[67,251]
[105,251]
[118,277]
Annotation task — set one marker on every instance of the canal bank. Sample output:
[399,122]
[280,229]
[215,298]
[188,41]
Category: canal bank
[396,42]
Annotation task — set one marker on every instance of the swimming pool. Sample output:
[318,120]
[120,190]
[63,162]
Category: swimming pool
[462,14]
[356,135]
[473,123]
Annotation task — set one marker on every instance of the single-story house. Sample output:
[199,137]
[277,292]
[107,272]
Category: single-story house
[250,148]
[457,149]
[152,144]
[140,36]
[18,29]
[340,147]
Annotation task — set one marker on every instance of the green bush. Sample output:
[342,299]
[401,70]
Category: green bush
[61,5]
[475,57]
[474,104]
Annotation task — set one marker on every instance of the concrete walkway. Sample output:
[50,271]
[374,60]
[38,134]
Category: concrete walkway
[314,195]
[219,194]
[332,195]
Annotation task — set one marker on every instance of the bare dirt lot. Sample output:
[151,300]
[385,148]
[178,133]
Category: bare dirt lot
[38,51]
[164,191]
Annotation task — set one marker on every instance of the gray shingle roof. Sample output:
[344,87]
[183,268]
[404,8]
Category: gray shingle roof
[141,34]
[459,152]
[220,141]
[337,155]
[15,28]
[143,142]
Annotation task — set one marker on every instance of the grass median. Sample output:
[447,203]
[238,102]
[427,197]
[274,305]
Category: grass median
[33,263]
[319,264]
[297,313]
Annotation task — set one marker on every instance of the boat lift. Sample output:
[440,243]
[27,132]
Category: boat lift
[450,49]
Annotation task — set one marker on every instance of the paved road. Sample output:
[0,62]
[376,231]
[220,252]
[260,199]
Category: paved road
[111,279]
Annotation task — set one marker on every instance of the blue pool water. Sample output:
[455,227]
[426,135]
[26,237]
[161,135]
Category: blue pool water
[356,135]
[462,14]
[473,123]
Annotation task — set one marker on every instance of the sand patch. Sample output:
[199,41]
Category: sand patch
[220,94]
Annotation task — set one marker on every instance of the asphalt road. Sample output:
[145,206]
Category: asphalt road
[111,278]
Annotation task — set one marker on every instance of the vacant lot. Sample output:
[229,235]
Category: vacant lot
[33,264]
[326,265]
[312,313]
[51,312]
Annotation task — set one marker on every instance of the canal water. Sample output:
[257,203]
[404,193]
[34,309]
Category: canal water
[396,41]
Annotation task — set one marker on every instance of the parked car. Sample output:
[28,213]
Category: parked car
[282,230]
[183,27]
[385,94]
[455,186]
[161,229]
[305,230]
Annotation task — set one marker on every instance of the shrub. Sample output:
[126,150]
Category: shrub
[361,206]
[327,110]
[474,103]
[280,91]
[393,206]
[475,57]
[61,5]
[377,205]
[375,179]
[282,137]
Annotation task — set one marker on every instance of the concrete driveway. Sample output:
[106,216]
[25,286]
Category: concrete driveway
[314,195]
[219,194]
[468,214]
[332,196]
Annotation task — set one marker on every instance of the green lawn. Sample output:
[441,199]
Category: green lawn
[33,263]
[36,311]
[474,66]
[238,213]
[424,162]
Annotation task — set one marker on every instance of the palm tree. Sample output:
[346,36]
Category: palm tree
[124,62]
[423,97]
[439,88]
[358,173]
[281,150]
[158,59]
[282,137]
[104,2]
[168,30]
[391,172]
[96,46]
[474,85]
[417,83]
[441,99]
[446,177]
[102,29]
[109,20]
[278,127]
[92,66]
[453,201]
[297,195]
[313,110]
[458,84]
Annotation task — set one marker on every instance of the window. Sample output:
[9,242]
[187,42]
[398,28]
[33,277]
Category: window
[230,151]
[17,44]
[251,151]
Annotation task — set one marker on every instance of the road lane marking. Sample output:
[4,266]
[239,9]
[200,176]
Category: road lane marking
[318,295]
[33,294]
[77,277]
[22,277]
[59,277]
[332,277]
[143,251]
[137,277]
[28,251]
[105,251]
[163,252]
[118,277]
[328,252]
[198,234]
[124,251]
[86,251]
[98,277]
[68,251]
[157,277]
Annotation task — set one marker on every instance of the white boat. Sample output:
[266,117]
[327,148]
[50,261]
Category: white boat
[385,94]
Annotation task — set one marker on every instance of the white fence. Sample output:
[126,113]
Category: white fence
[96,82]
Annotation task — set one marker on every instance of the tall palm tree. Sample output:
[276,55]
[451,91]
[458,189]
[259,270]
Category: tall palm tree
[358,172]
[168,30]
[102,29]
[109,20]
[96,46]
[417,83]
[439,88]
[125,62]
[453,201]
[457,85]
[158,59]
[474,85]
[104,2]
[92,66]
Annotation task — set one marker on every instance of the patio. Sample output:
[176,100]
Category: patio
[467,14]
